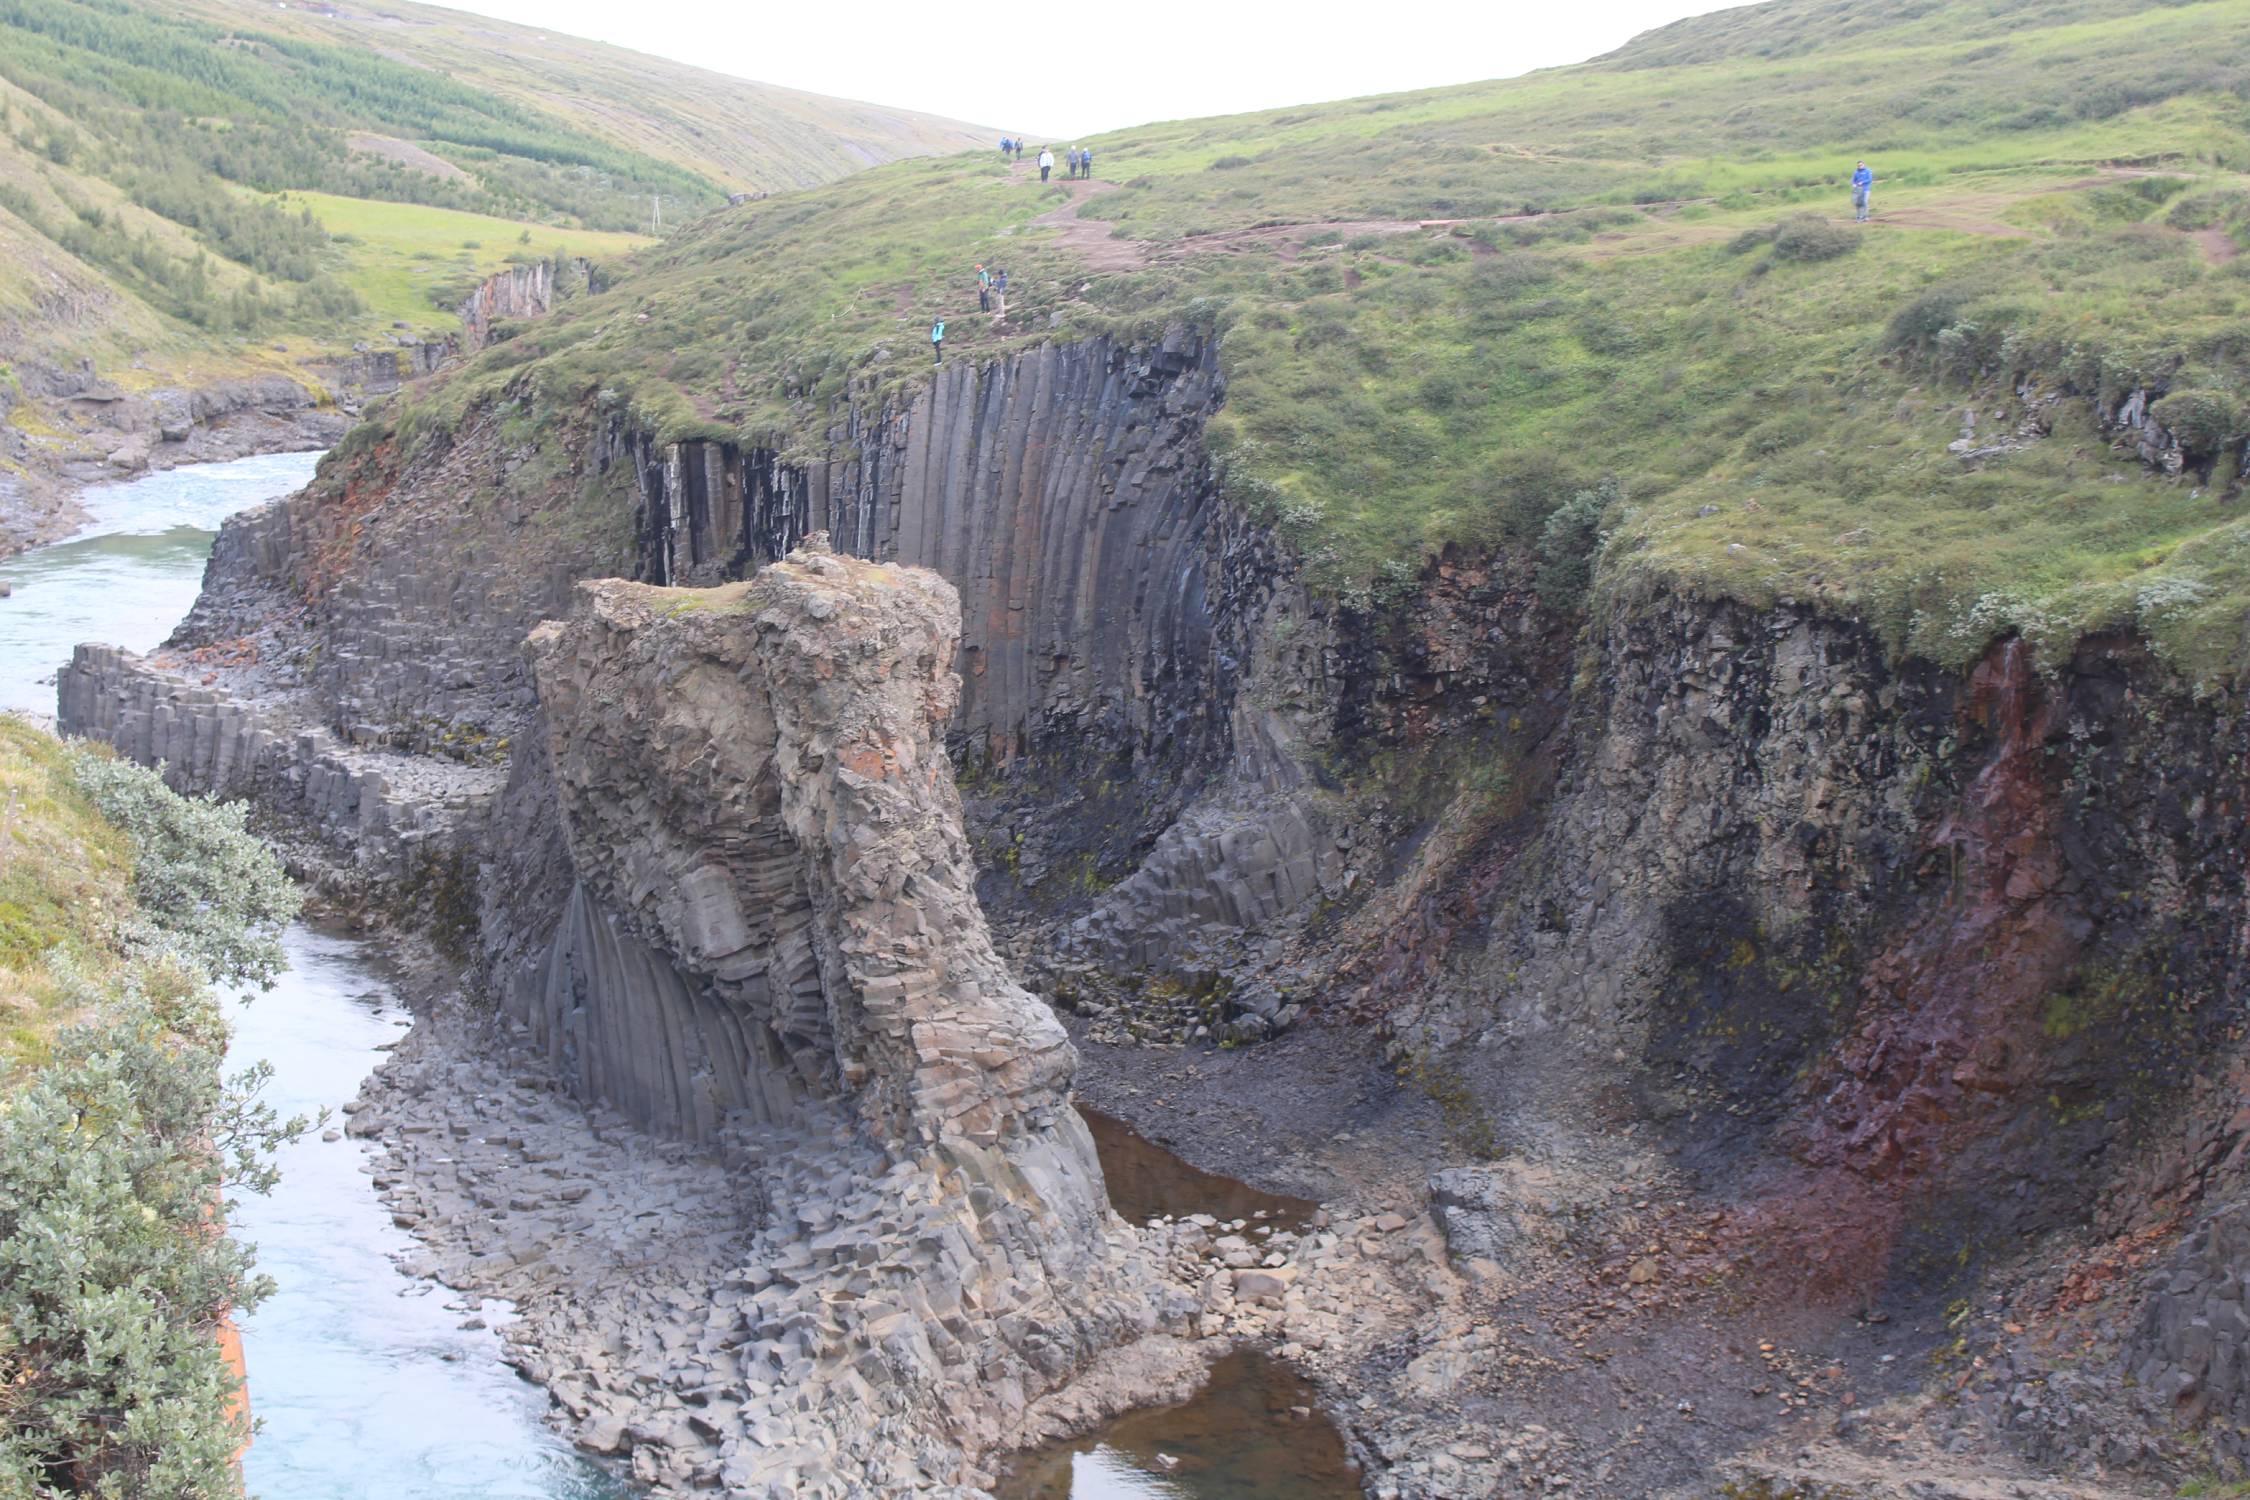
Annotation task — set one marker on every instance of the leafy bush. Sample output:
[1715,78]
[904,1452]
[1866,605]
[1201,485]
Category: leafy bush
[118,1150]
[112,1283]
[208,891]
[1568,541]
[1808,237]
[1917,325]
[2203,421]
[2210,210]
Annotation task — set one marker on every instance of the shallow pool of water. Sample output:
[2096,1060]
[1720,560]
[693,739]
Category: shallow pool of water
[1252,1433]
[1146,1180]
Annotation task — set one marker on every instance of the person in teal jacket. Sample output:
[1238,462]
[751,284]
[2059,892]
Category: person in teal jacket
[1863,192]
[937,342]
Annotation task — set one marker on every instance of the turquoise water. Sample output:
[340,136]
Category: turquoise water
[366,1385]
[129,575]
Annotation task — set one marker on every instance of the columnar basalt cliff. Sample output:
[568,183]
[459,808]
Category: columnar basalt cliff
[1065,493]
[756,798]
[1906,966]
[517,293]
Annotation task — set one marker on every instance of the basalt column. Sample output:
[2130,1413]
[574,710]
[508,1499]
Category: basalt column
[774,901]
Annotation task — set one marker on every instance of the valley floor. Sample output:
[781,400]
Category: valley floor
[1556,1322]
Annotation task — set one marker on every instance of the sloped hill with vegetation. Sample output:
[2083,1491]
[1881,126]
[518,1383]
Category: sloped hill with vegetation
[121,904]
[734,134]
[192,194]
[1445,313]
[1676,758]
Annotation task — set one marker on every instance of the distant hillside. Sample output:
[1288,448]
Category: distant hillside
[198,191]
[740,136]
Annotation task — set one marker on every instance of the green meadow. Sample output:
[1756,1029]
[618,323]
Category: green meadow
[1631,287]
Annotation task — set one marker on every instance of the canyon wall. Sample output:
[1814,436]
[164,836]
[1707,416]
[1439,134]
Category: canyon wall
[1926,952]
[1065,492]
[527,291]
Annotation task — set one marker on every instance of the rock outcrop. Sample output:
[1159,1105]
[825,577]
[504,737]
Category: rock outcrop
[753,783]
[395,822]
[774,913]
[529,291]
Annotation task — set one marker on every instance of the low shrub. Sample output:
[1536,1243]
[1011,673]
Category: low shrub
[208,891]
[117,1151]
[1568,541]
[1808,237]
[2202,421]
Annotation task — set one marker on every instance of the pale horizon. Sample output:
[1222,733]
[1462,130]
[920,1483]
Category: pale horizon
[1169,61]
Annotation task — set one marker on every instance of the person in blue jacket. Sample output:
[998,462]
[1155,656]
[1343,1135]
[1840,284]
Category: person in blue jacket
[1863,192]
[937,342]
[1086,161]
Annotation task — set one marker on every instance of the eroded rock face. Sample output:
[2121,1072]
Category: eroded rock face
[774,915]
[753,784]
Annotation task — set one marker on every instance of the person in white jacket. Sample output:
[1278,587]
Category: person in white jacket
[1046,162]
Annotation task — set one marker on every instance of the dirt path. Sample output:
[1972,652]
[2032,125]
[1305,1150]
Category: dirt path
[1097,244]
[1091,239]
[1102,249]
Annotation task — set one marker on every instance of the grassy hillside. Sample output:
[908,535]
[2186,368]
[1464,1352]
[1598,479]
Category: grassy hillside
[66,878]
[1451,316]
[186,185]
[744,137]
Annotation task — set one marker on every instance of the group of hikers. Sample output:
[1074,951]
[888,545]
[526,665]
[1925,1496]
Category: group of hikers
[992,286]
[1080,160]
[992,297]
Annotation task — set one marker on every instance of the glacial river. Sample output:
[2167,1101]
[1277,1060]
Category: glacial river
[366,1383]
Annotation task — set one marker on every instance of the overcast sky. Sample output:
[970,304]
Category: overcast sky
[1086,67]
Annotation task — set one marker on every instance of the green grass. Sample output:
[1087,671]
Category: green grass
[143,144]
[1616,305]
[413,263]
[65,883]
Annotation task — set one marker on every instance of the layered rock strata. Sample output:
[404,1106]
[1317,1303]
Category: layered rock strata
[753,782]
[396,821]
[757,803]
[519,292]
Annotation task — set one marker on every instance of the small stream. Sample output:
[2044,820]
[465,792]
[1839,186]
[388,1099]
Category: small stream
[366,1382]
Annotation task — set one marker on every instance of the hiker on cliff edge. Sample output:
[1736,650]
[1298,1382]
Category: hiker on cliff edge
[1046,161]
[1863,192]
[1000,294]
[937,342]
[984,288]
